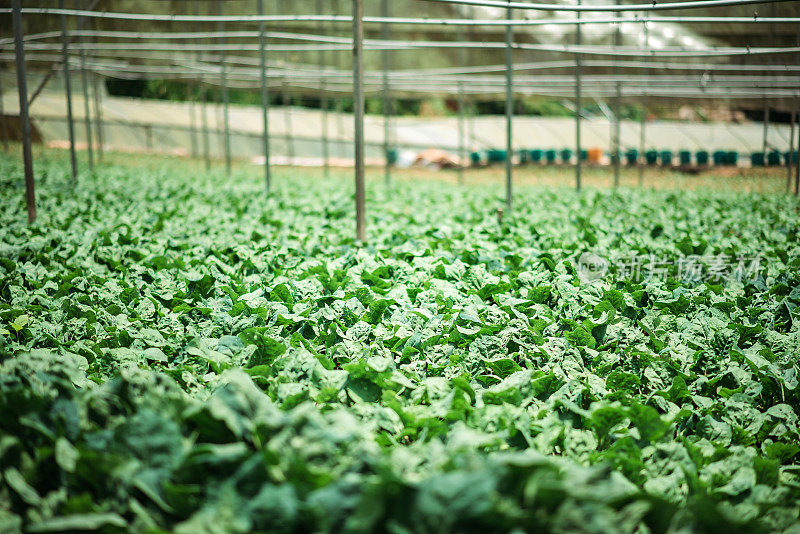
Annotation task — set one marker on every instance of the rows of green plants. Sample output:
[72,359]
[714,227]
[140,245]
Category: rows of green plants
[180,353]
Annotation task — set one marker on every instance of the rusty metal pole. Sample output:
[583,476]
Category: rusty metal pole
[22,89]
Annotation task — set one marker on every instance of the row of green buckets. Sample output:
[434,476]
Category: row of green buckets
[631,157]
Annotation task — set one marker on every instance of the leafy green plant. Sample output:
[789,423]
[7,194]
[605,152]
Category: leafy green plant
[179,353]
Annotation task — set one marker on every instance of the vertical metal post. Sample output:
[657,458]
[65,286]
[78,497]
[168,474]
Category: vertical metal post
[225,96]
[797,114]
[262,62]
[461,132]
[98,108]
[203,94]
[789,162]
[204,126]
[387,112]
[192,92]
[192,89]
[766,102]
[339,142]
[98,115]
[797,163]
[642,140]
[616,156]
[578,104]
[3,126]
[22,89]
[462,157]
[471,61]
[68,92]
[323,103]
[287,119]
[509,107]
[643,118]
[358,113]
[87,119]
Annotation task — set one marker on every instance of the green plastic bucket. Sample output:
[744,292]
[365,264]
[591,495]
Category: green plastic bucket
[666,157]
[475,157]
[791,157]
[584,155]
[732,158]
[701,157]
[720,157]
[536,155]
[685,157]
[632,156]
[566,155]
[550,156]
[774,159]
[495,155]
[757,159]
[391,156]
[651,157]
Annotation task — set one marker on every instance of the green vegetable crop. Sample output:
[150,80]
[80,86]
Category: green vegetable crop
[179,353]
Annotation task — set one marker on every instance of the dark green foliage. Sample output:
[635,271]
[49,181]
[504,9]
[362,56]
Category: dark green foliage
[179,354]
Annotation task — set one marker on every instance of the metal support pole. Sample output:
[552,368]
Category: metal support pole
[203,95]
[192,95]
[192,90]
[340,118]
[287,119]
[462,104]
[98,116]
[98,108]
[323,103]
[68,92]
[643,119]
[358,112]
[471,60]
[87,119]
[616,156]
[461,132]
[262,63]
[509,107]
[789,162]
[22,89]
[797,163]
[578,105]
[3,126]
[642,140]
[225,96]
[387,112]
[766,102]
